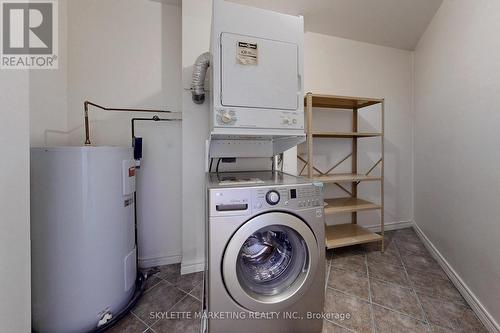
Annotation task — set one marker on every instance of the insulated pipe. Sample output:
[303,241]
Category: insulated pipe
[86,114]
[199,74]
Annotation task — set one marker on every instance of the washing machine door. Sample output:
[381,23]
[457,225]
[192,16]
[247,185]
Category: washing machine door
[270,262]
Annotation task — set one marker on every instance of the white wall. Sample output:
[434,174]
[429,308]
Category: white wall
[48,94]
[196,18]
[124,53]
[15,291]
[457,175]
[128,54]
[344,67]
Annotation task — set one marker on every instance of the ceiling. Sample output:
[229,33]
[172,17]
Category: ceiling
[393,23]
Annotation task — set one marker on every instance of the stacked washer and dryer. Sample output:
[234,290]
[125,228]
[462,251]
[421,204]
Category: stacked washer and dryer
[265,230]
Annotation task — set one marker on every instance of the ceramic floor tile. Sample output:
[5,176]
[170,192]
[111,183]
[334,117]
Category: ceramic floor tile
[389,256]
[437,329]
[182,318]
[350,282]
[188,281]
[443,305]
[423,263]
[396,297]
[387,321]
[407,234]
[434,285]
[169,272]
[409,248]
[373,246]
[198,291]
[358,310]
[451,315]
[128,324]
[389,273]
[159,299]
[151,281]
[354,261]
[329,327]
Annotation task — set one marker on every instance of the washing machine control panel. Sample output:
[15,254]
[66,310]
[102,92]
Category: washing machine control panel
[246,201]
[300,196]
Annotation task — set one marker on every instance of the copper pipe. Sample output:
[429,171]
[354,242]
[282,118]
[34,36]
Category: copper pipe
[155,118]
[86,109]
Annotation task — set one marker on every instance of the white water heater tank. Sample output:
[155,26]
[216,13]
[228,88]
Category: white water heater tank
[82,236]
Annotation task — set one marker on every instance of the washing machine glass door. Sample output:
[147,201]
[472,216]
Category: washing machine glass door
[270,262]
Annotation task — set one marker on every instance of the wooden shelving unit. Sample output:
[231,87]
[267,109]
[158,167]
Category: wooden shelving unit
[350,233]
[345,177]
[344,135]
[348,205]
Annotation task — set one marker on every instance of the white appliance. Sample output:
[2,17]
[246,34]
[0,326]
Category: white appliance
[266,253]
[257,81]
[82,236]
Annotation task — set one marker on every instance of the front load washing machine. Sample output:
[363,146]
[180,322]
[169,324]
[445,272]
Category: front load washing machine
[266,251]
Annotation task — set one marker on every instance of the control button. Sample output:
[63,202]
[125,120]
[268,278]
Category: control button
[226,118]
[286,203]
[258,205]
[294,121]
[272,197]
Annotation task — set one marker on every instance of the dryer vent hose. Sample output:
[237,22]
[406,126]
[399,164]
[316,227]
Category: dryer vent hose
[199,74]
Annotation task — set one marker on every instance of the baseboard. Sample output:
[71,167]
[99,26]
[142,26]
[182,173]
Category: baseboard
[160,261]
[488,321]
[193,267]
[391,226]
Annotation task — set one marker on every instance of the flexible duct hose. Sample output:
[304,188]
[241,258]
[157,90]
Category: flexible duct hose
[199,74]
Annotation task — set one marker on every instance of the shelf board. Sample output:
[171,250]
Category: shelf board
[345,134]
[341,102]
[348,234]
[348,205]
[345,177]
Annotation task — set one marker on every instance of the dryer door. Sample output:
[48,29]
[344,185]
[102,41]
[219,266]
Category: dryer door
[270,262]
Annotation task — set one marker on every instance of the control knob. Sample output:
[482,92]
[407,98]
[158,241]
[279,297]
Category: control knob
[227,118]
[272,197]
